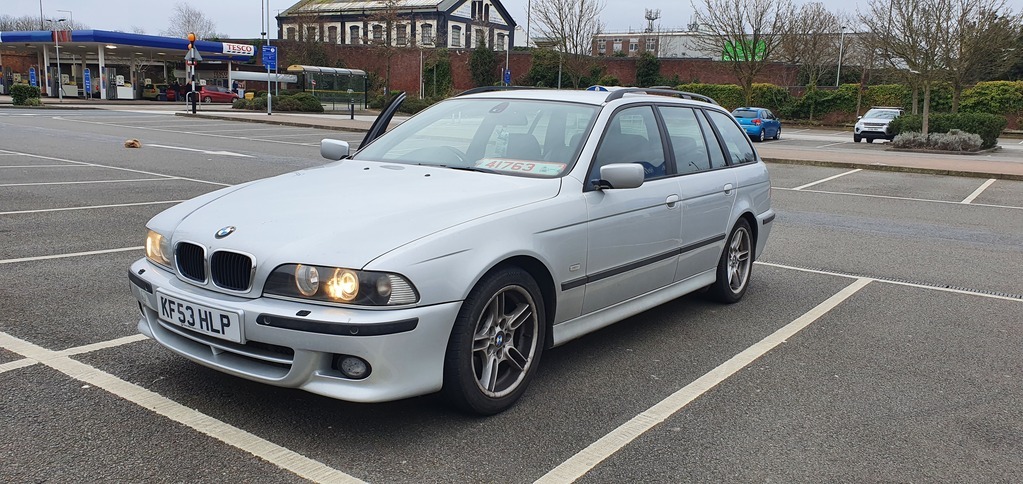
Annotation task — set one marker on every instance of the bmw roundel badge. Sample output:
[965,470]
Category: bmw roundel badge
[224,232]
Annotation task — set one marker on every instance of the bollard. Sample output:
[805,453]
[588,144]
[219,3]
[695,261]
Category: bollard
[351,109]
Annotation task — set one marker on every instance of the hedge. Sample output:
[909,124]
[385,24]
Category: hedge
[728,95]
[988,126]
[996,97]
[20,93]
[303,102]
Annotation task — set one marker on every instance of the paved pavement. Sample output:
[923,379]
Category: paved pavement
[886,160]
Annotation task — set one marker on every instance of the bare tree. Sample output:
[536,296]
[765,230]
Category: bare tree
[569,26]
[747,32]
[811,41]
[187,18]
[907,33]
[978,43]
[10,23]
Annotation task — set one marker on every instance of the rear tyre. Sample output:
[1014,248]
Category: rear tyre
[777,134]
[735,266]
[496,343]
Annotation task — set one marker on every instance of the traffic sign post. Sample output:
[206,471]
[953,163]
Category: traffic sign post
[270,61]
[88,82]
[191,59]
[507,77]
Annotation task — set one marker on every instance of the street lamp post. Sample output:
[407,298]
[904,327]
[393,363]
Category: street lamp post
[56,41]
[70,17]
[841,46]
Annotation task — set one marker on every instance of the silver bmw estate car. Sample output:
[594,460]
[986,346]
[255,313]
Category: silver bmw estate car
[450,252]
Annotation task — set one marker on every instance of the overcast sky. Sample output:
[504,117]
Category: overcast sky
[241,18]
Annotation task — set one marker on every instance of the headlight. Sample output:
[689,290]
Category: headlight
[158,249]
[340,285]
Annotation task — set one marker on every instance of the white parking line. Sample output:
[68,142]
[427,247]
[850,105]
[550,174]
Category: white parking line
[89,207]
[588,458]
[976,193]
[72,254]
[212,135]
[889,197]
[832,144]
[827,179]
[78,350]
[261,136]
[117,168]
[42,166]
[275,454]
[85,182]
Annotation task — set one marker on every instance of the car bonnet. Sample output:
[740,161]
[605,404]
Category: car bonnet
[350,212]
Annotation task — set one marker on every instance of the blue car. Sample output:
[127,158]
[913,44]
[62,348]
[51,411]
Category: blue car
[759,123]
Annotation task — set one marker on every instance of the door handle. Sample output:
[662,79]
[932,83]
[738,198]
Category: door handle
[728,188]
[672,200]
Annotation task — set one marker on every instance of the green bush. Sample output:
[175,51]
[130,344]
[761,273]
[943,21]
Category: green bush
[987,126]
[771,97]
[414,105]
[815,103]
[302,102]
[20,93]
[729,96]
[996,97]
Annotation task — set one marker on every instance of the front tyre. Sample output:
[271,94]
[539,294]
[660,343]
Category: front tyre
[735,266]
[496,343]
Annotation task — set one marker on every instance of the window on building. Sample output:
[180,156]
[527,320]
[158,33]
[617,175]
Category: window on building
[378,34]
[601,47]
[633,45]
[617,45]
[456,36]
[292,33]
[332,34]
[426,34]
[353,35]
[651,44]
[401,35]
[500,42]
[477,9]
[480,38]
[310,34]
[486,13]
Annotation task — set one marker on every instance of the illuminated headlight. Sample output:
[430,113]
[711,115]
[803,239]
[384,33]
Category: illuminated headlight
[158,249]
[340,285]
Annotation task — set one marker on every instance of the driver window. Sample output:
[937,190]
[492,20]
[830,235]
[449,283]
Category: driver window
[632,137]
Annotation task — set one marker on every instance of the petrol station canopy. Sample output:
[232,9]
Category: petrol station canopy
[120,45]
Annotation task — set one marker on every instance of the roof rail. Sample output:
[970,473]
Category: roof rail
[657,90]
[477,90]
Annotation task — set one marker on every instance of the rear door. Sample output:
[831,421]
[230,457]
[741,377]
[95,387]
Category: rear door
[707,187]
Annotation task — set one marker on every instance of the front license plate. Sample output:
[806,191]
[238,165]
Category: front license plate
[200,318]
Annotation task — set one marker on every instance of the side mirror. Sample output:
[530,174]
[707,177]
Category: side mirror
[333,149]
[620,175]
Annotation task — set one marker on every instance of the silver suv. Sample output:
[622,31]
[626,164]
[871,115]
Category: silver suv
[875,124]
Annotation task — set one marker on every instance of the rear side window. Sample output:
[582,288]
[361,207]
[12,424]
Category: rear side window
[687,141]
[717,158]
[736,143]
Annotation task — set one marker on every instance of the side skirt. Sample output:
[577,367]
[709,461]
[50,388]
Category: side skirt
[574,328]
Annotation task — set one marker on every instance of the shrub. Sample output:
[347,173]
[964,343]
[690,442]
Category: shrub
[729,96]
[771,97]
[22,92]
[414,105]
[987,126]
[997,97]
[33,101]
[303,102]
[954,140]
[307,103]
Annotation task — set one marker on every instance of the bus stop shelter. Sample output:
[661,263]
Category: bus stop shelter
[333,85]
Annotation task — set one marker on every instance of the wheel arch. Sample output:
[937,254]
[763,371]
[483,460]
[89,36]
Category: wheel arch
[754,231]
[548,289]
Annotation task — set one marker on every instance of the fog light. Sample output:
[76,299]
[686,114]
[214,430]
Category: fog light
[352,367]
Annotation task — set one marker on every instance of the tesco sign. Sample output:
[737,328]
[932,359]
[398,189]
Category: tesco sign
[239,49]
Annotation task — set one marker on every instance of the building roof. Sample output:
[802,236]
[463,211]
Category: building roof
[313,7]
[89,40]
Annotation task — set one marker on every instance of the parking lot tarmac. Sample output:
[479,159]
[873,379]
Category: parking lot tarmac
[879,340]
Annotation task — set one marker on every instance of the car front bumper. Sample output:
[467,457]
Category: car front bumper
[403,347]
[872,132]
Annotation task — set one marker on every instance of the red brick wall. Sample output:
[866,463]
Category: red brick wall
[405,67]
[19,63]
